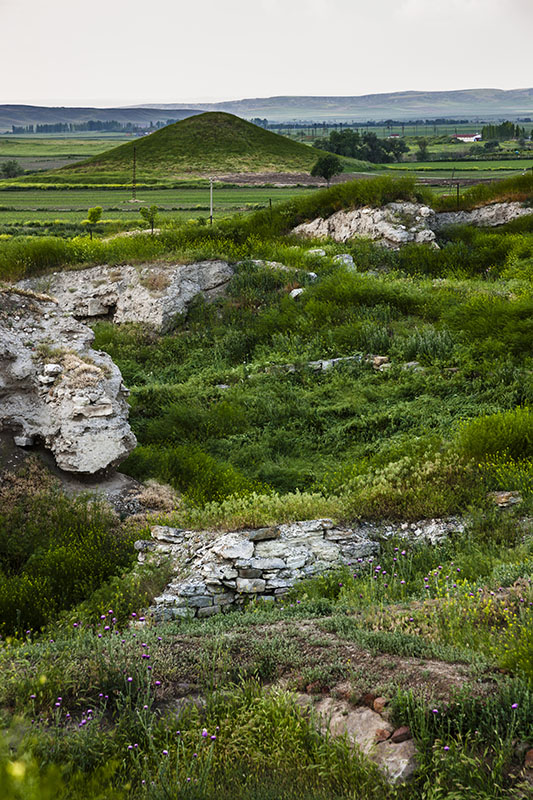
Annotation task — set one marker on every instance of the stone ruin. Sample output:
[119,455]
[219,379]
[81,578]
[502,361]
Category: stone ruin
[216,572]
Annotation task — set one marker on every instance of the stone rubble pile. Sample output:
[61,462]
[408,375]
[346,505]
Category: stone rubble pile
[213,573]
[56,390]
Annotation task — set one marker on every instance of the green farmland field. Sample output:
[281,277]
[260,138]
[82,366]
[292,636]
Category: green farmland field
[509,165]
[28,146]
[71,205]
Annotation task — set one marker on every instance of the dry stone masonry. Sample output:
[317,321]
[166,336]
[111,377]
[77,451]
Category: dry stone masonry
[215,572]
[56,390]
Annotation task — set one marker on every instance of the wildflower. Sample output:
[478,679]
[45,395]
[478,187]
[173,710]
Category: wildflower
[204,733]
[446,747]
[515,705]
[130,680]
[213,737]
[165,752]
[158,683]
[434,710]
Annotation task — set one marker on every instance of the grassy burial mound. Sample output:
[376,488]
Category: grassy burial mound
[208,144]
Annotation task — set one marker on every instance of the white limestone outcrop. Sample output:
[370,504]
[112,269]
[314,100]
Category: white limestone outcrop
[149,293]
[392,225]
[56,390]
[397,224]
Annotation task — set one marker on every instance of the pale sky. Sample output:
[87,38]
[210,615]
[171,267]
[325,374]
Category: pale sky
[124,52]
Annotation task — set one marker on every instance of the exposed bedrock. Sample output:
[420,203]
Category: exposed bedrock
[56,390]
[397,224]
[152,294]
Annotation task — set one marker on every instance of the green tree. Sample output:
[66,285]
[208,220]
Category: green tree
[149,215]
[11,169]
[93,217]
[326,167]
[422,153]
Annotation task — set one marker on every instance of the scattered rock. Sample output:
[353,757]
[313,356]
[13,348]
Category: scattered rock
[505,499]
[398,761]
[316,251]
[368,700]
[56,390]
[382,734]
[400,223]
[379,704]
[528,759]
[346,259]
[401,734]
[296,293]
[379,361]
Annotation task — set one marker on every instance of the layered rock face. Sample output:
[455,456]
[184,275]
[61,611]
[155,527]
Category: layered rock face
[397,224]
[56,390]
[215,572]
[487,216]
[392,225]
[149,294]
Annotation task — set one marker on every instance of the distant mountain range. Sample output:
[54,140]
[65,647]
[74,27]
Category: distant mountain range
[40,115]
[462,103]
[459,104]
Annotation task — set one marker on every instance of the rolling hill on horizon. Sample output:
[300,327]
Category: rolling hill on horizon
[458,103]
[213,143]
[462,103]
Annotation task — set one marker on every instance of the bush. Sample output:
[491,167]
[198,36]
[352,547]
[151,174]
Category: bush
[505,433]
[54,551]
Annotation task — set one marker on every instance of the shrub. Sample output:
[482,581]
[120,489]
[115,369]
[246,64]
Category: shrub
[54,551]
[507,432]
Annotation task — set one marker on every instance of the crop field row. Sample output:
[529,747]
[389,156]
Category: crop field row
[71,205]
[515,165]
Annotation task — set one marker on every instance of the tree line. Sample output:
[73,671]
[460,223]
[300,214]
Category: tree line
[365,147]
[503,132]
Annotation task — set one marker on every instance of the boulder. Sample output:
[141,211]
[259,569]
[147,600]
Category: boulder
[56,390]
[368,731]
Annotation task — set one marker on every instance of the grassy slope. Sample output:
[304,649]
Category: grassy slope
[212,143]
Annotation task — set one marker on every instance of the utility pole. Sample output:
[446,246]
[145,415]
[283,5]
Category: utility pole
[210,201]
[134,177]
